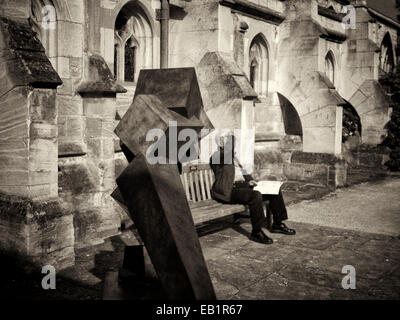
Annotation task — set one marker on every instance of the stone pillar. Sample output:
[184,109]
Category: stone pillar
[96,216]
[33,224]
[247,136]
[322,130]
[338,130]
[238,41]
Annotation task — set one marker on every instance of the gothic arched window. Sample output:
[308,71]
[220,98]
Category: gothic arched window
[259,65]
[330,67]
[386,59]
[133,43]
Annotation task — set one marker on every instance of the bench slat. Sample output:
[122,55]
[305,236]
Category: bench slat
[191,187]
[197,185]
[219,211]
[186,185]
[198,181]
[201,203]
[208,185]
[203,192]
[207,208]
[211,177]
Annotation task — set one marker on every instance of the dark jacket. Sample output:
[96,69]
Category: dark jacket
[225,179]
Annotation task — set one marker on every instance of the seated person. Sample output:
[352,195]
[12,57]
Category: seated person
[225,190]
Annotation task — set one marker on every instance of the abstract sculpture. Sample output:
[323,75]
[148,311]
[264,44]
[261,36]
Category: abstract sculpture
[154,193]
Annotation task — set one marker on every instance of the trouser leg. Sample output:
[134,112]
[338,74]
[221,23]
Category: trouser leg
[277,206]
[255,202]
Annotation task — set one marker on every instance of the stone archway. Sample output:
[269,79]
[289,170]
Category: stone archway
[386,57]
[291,119]
[259,65]
[319,107]
[373,106]
[330,69]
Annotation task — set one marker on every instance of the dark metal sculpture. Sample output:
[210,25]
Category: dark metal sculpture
[154,193]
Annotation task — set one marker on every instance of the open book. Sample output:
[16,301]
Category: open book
[268,187]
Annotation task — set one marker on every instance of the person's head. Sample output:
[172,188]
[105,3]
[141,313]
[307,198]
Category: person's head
[226,145]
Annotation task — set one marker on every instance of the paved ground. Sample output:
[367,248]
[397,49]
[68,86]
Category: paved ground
[306,266]
[363,233]
[368,207]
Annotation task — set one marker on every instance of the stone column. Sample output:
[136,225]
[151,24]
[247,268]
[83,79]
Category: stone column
[96,216]
[247,135]
[33,224]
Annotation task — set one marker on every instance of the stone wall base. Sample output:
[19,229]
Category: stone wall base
[373,157]
[85,189]
[316,168]
[40,233]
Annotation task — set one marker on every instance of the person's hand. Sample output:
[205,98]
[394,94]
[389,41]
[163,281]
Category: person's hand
[252,183]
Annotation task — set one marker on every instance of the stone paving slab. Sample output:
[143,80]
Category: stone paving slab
[305,266]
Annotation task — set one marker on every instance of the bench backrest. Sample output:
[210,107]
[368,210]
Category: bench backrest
[197,181]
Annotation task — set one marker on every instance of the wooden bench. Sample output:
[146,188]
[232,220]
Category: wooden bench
[197,181]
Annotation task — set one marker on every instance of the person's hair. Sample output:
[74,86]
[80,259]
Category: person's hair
[229,137]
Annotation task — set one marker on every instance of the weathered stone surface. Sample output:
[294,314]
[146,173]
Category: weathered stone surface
[95,216]
[38,232]
[221,79]
[372,104]
[72,147]
[14,139]
[314,158]
[43,106]
[166,227]
[16,9]
[317,174]
[73,36]
[76,176]
[69,106]
[317,168]
[30,112]
[94,225]
[291,143]
[372,156]
[30,119]
[99,78]
[24,58]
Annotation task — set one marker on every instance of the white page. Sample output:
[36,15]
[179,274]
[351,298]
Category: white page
[268,187]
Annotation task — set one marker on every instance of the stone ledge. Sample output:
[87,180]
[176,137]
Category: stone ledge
[315,158]
[20,209]
[24,56]
[254,10]
[101,79]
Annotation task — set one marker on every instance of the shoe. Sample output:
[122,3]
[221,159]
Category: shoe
[261,237]
[282,228]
